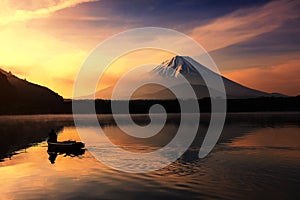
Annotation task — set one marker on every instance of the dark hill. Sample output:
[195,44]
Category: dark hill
[8,91]
[19,96]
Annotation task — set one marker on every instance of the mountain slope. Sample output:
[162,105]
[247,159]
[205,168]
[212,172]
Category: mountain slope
[188,68]
[21,96]
[180,67]
[7,91]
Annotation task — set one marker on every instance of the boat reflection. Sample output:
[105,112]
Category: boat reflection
[66,149]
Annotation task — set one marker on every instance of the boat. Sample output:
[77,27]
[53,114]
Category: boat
[65,146]
[68,148]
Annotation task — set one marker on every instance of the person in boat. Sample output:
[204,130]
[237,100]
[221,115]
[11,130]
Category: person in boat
[52,136]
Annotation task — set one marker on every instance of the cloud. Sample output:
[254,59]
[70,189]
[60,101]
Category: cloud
[244,24]
[10,11]
[282,78]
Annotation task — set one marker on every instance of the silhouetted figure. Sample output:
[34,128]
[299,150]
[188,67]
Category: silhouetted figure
[52,136]
[52,157]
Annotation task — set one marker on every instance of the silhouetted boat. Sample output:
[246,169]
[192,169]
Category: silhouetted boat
[69,148]
[66,146]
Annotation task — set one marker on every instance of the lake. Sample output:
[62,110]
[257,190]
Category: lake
[256,157]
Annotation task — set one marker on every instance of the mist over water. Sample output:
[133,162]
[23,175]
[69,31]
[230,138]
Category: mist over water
[257,156]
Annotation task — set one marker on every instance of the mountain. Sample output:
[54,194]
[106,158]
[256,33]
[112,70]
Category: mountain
[179,67]
[19,96]
[7,90]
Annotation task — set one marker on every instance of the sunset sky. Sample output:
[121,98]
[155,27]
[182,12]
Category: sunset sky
[255,43]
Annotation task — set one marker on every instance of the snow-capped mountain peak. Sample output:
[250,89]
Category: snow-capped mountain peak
[175,66]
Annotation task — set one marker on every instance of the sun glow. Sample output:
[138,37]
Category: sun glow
[129,61]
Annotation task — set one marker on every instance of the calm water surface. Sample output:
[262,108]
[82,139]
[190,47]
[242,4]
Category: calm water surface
[257,156]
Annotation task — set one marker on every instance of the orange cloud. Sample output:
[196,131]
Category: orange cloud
[283,78]
[244,24]
[10,11]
